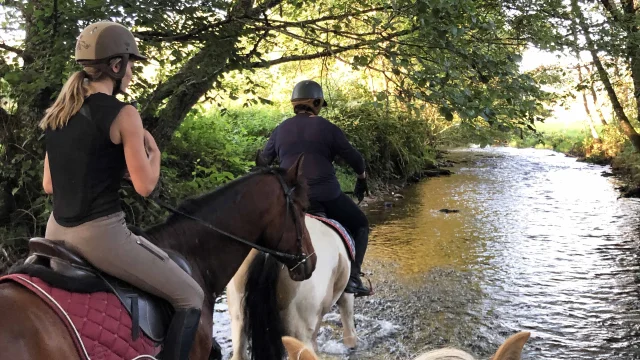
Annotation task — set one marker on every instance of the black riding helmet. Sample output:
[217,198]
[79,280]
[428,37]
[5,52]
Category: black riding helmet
[308,89]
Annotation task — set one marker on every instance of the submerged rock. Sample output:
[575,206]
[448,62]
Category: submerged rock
[449,211]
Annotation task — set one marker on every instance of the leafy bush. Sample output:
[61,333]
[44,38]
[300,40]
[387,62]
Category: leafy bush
[211,148]
[394,144]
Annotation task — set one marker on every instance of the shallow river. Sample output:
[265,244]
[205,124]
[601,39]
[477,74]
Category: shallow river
[540,243]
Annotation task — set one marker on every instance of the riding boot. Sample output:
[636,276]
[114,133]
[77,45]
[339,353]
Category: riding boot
[181,334]
[355,285]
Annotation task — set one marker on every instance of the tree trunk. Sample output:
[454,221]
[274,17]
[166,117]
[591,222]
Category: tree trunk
[595,99]
[589,119]
[183,90]
[633,51]
[626,126]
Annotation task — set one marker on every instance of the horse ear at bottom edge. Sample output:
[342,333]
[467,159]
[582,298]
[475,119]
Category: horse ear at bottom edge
[296,349]
[511,349]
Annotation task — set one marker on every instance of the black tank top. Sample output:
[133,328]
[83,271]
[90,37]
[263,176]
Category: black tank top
[86,167]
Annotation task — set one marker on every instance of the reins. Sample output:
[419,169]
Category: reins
[301,259]
[204,223]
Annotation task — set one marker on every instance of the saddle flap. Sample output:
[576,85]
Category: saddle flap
[56,249]
[180,260]
[65,268]
[153,313]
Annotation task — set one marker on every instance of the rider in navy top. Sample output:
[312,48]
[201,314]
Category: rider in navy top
[321,141]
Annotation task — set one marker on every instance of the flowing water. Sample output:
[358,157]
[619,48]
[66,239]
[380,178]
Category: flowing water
[539,243]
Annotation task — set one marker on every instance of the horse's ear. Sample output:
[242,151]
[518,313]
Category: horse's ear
[296,349]
[295,171]
[511,349]
[260,160]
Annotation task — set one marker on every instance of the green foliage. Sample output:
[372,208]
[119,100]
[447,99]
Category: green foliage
[346,178]
[627,164]
[394,144]
[573,141]
[212,148]
[421,68]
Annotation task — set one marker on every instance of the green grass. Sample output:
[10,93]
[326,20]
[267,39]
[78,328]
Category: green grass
[569,138]
[346,177]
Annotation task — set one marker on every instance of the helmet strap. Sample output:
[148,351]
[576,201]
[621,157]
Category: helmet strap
[120,74]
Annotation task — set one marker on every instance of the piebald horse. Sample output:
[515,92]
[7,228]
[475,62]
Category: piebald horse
[265,304]
[265,208]
[511,349]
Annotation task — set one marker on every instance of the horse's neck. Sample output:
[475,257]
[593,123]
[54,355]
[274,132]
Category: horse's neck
[214,258]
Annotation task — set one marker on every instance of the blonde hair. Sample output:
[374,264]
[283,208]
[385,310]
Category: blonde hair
[72,96]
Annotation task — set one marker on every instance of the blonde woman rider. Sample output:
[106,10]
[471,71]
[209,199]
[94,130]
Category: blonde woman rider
[86,158]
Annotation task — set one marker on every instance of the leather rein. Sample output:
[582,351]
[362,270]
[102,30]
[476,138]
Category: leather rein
[301,258]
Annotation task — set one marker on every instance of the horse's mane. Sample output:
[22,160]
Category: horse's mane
[192,205]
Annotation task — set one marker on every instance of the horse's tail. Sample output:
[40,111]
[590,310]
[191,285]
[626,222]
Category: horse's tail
[261,315]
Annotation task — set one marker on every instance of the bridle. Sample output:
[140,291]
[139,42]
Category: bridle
[300,258]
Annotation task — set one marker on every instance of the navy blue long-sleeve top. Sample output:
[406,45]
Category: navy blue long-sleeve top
[320,141]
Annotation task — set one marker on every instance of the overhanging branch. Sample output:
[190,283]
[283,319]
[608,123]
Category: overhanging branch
[191,35]
[328,51]
[14,50]
[285,24]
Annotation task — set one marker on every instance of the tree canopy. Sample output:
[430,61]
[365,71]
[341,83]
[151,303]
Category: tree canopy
[457,57]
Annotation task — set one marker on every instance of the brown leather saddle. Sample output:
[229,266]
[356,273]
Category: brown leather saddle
[149,313]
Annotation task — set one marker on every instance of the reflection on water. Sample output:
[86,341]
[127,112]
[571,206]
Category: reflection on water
[540,243]
[545,242]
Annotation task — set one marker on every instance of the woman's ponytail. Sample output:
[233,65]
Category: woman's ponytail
[68,103]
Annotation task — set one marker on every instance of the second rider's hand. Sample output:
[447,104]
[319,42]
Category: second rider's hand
[361,188]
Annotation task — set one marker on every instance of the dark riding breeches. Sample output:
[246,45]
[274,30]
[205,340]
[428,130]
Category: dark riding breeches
[347,213]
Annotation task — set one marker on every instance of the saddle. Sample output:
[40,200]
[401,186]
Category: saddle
[148,312]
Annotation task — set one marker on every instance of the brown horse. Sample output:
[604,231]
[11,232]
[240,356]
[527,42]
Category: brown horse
[252,208]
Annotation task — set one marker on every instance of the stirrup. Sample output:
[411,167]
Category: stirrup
[371,292]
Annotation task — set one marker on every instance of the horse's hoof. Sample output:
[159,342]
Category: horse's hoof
[350,344]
